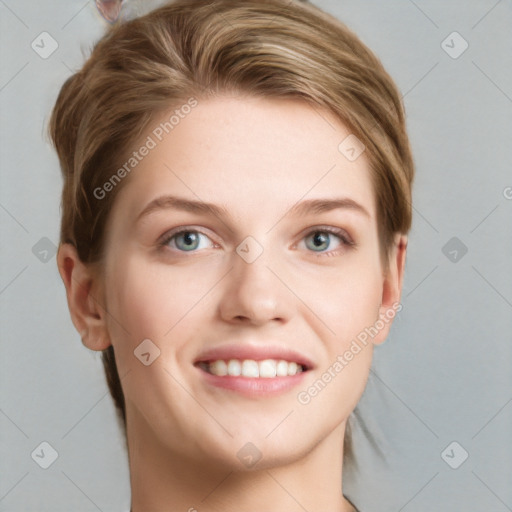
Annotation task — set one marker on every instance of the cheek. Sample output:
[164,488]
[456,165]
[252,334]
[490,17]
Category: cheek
[148,300]
[346,299]
[146,303]
[347,305]
[357,307]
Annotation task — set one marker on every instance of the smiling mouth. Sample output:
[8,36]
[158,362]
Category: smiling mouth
[249,368]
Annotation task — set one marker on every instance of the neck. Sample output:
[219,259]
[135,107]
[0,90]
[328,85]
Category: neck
[165,481]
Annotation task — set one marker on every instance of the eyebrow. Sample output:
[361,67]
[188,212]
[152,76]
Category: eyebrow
[179,203]
[325,205]
[302,208]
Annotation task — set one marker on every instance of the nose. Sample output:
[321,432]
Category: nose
[253,293]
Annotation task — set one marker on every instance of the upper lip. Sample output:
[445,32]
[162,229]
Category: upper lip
[254,351]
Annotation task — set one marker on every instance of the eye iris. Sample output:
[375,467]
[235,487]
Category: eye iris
[320,240]
[190,238]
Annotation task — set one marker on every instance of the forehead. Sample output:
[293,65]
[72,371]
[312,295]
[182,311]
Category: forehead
[249,154]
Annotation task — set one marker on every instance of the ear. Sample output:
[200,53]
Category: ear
[392,288]
[84,295]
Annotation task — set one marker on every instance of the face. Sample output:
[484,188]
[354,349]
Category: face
[243,244]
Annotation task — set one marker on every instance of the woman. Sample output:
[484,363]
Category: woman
[235,210]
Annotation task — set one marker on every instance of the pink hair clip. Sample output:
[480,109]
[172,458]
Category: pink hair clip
[109,9]
[123,10]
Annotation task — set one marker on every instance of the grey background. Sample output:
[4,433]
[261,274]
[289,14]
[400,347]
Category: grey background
[443,375]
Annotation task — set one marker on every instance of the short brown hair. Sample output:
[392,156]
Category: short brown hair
[200,48]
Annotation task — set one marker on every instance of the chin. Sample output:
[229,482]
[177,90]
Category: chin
[253,456]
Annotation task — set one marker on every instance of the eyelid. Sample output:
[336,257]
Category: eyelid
[345,240]
[168,235]
[339,232]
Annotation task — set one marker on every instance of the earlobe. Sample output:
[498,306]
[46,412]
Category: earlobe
[400,256]
[84,298]
[392,287]
[393,282]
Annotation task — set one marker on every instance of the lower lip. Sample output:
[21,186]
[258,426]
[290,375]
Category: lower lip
[254,386]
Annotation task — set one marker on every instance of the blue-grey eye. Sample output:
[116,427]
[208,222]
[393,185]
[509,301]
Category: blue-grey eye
[188,240]
[319,241]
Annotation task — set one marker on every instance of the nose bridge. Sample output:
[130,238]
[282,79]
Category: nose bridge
[254,292]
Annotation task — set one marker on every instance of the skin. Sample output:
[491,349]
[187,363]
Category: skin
[256,157]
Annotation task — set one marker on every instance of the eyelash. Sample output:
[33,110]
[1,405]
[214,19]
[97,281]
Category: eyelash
[346,241]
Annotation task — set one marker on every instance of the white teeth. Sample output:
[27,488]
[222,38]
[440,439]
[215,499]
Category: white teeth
[234,368]
[267,369]
[292,368]
[219,368]
[250,368]
[282,369]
